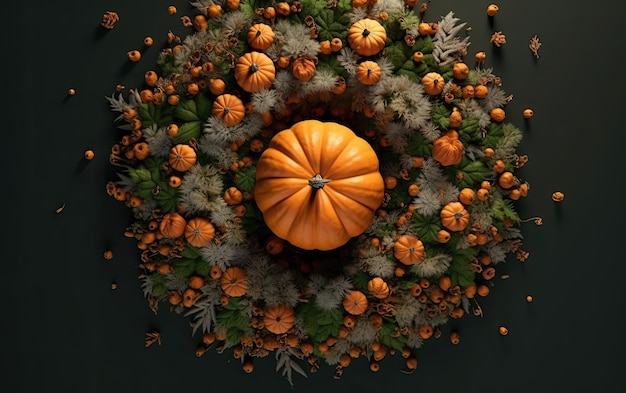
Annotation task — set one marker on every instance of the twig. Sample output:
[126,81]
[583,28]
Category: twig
[534,46]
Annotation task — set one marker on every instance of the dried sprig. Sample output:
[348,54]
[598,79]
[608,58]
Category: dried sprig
[534,46]
[498,39]
[109,19]
[152,337]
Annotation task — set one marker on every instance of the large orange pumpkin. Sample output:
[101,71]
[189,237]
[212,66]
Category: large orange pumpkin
[318,184]
[234,281]
[279,319]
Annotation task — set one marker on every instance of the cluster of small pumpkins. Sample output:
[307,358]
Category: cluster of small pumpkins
[301,210]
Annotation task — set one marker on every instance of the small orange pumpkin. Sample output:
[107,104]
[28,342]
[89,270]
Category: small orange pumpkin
[254,71]
[303,69]
[448,149]
[368,72]
[279,319]
[433,83]
[378,287]
[466,196]
[367,37]
[355,302]
[199,231]
[260,36]
[229,108]
[454,216]
[460,71]
[234,281]
[408,249]
[172,225]
[182,157]
[427,28]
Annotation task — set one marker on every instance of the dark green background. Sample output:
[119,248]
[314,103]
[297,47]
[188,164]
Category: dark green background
[65,329]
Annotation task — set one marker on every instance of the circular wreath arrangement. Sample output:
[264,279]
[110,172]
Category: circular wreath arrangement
[318,180]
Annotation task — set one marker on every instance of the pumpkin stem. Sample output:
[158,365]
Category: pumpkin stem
[458,215]
[318,181]
[365,32]
[253,68]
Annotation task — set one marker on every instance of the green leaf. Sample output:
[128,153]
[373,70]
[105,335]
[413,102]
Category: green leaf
[183,267]
[441,116]
[190,252]
[473,172]
[186,110]
[460,270]
[502,209]
[187,131]
[398,53]
[418,145]
[426,227]
[469,131]
[166,197]
[246,178]
[319,323]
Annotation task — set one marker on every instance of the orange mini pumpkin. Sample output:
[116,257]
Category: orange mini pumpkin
[303,69]
[172,225]
[229,108]
[355,302]
[279,319]
[182,157]
[378,287]
[433,83]
[454,216]
[408,249]
[367,37]
[254,71]
[199,231]
[260,36]
[234,281]
[448,149]
[318,184]
[368,72]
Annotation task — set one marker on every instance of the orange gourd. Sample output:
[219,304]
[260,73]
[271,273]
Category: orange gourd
[355,302]
[172,225]
[448,149]
[199,231]
[229,108]
[433,83]
[408,249]
[460,71]
[318,185]
[254,71]
[182,157]
[368,72]
[234,281]
[378,287]
[260,36]
[367,37]
[303,69]
[279,319]
[454,216]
